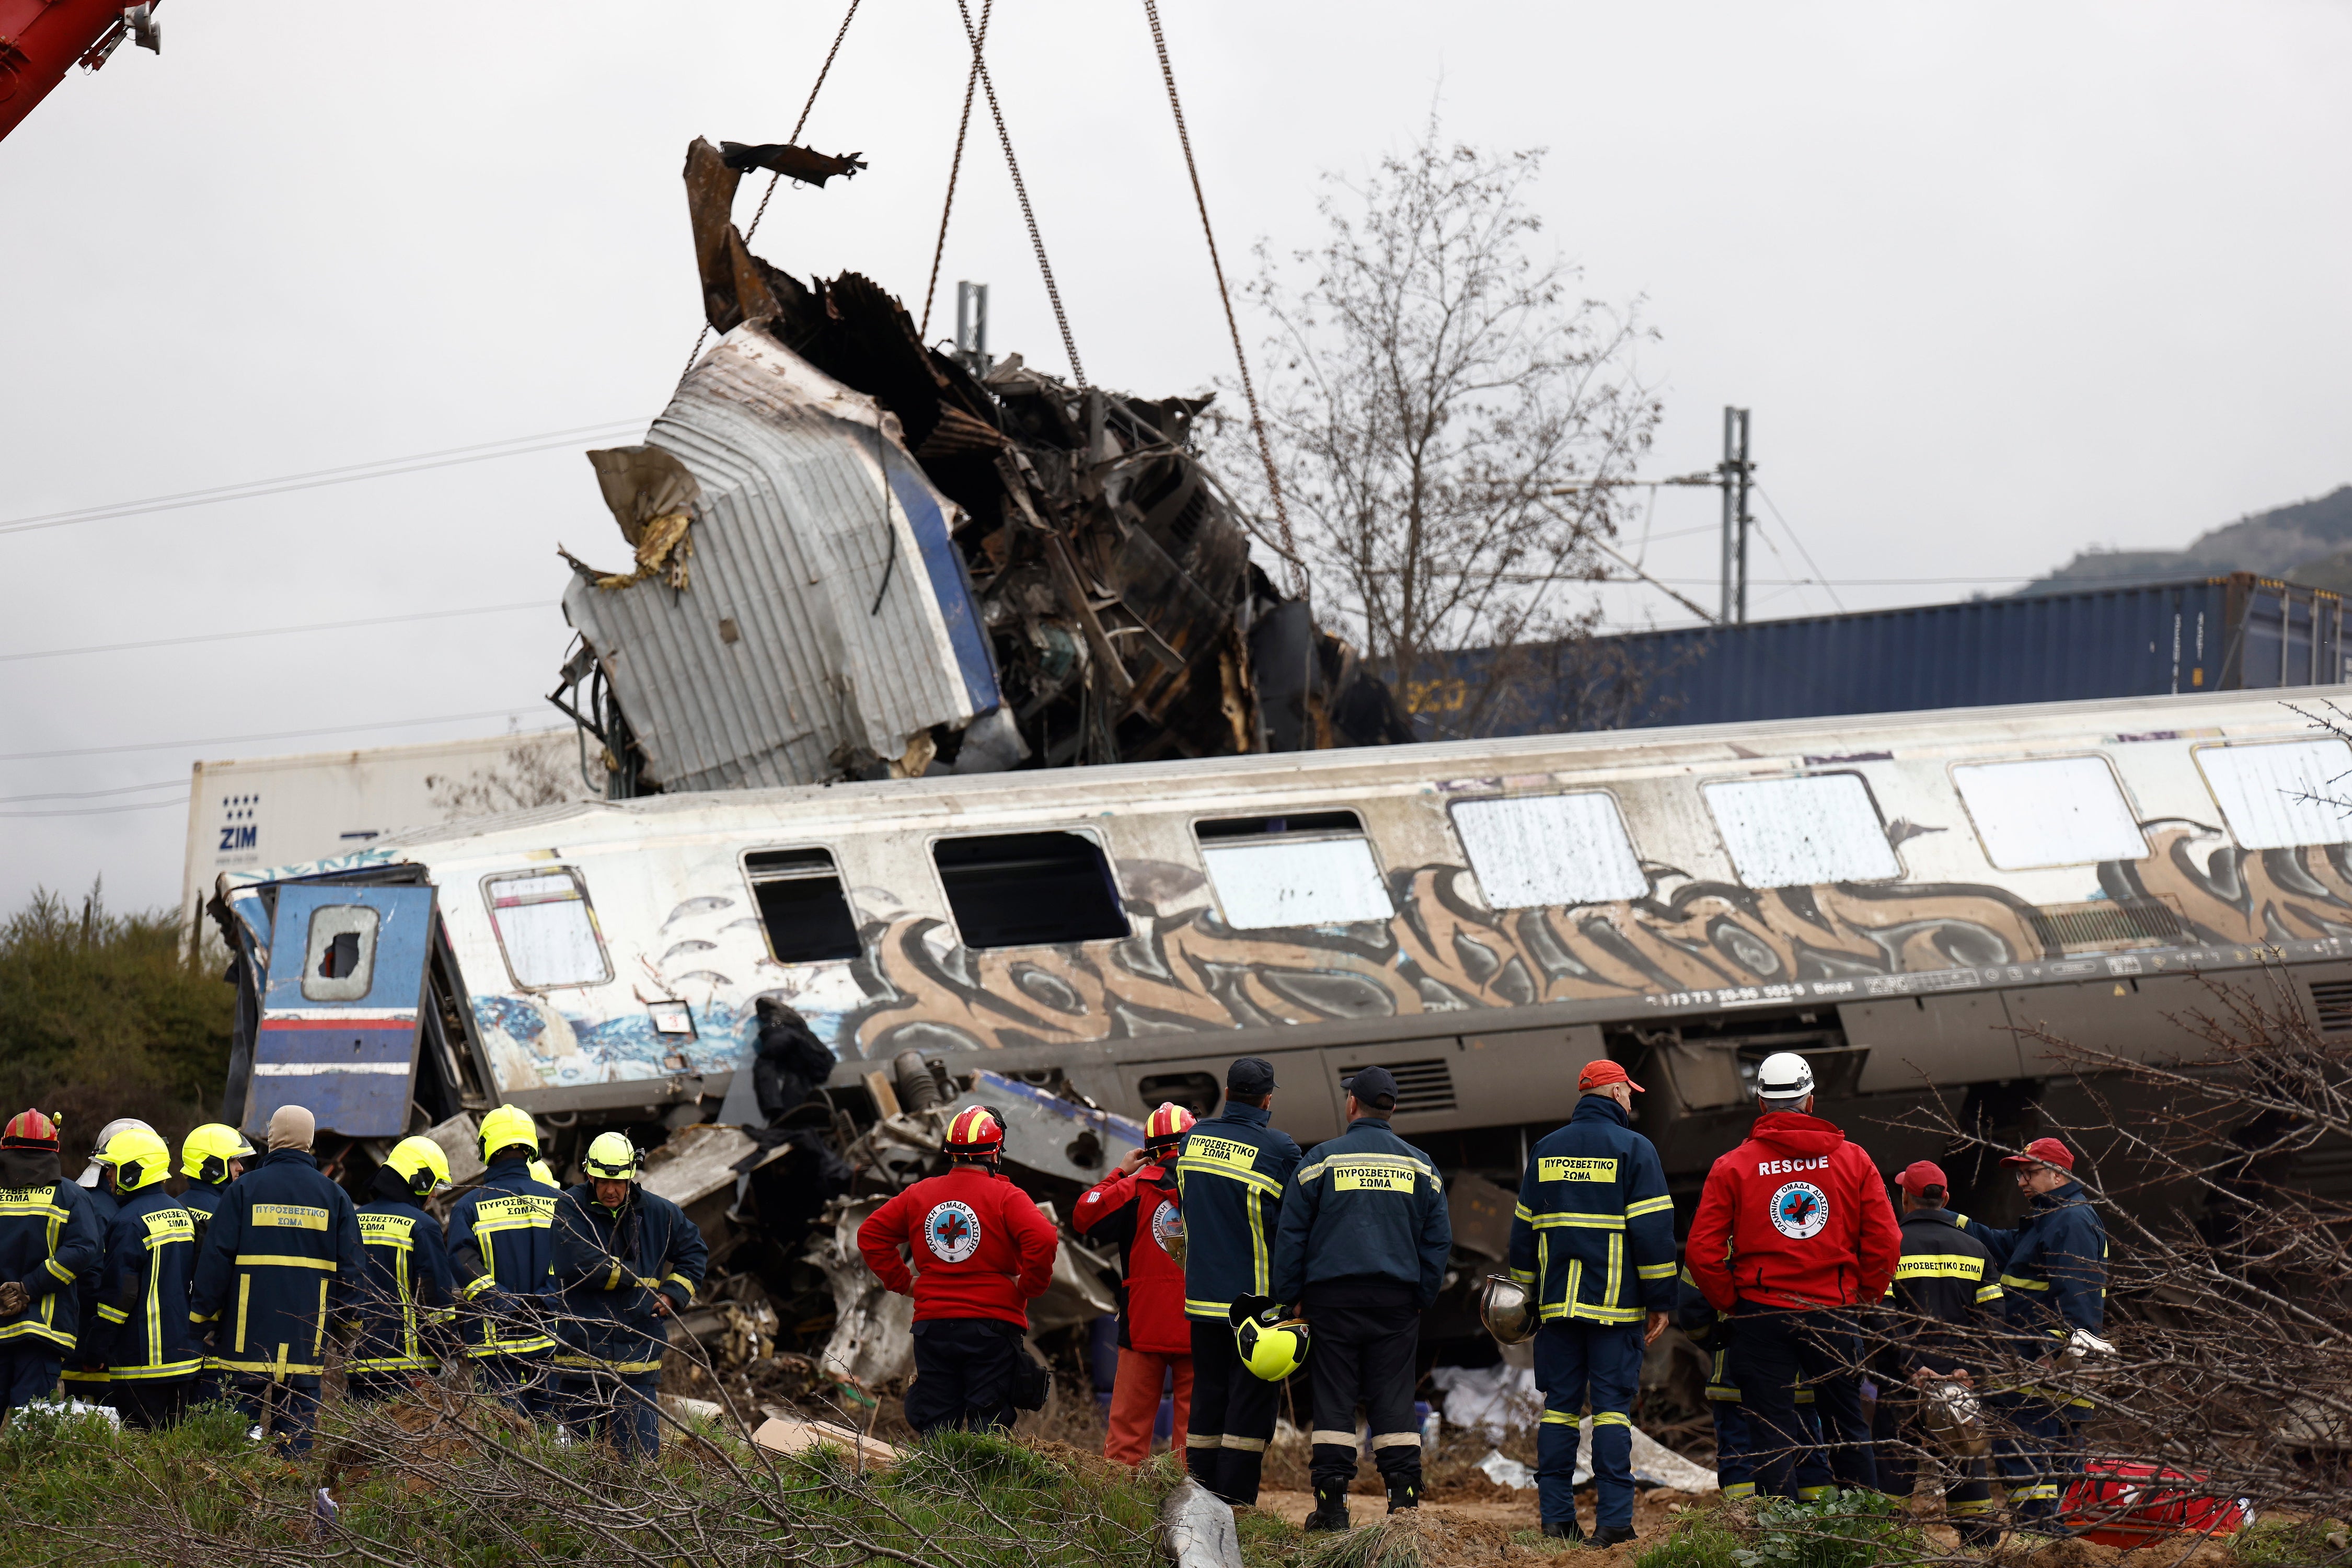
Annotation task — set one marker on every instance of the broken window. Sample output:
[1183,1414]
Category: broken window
[1311,868]
[339,963]
[2282,794]
[1796,833]
[1531,851]
[546,929]
[1029,889]
[803,906]
[2049,811]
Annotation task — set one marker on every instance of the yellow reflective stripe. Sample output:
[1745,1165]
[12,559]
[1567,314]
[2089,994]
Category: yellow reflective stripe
[1219,1168]
[1739,1489]
[1557,1418]
[1684,1275]
[1655,1272]
[477,1287]
[493,1226]
[168,1369]
[271,1368]
[390,1363]
[276,1260]
[65,1276]
[26,1211]
[1659,1205]
[1612,1418]
[1579,1222]
[1523,1213]
[531,1346]
[1207,1309]
[34,1329]
[1246,1445]
[2014,1283]
[1523,1276]
[683,1283]
[203,1317]
[113,1315]
[1990,1293]
[626,1368]
[1814,1494]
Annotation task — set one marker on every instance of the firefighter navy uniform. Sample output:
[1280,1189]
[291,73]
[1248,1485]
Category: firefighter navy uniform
[153,1352]
[2053,1274]
[406,1294]
[1941,1305]
[615,1266]
[1711,1331]
[1361,1248]
[85,1369]
[1592,1239]
[207,1156]
[285,1243]
[1230,1174]
[49,1238]
[1135,1212]
[502,1250]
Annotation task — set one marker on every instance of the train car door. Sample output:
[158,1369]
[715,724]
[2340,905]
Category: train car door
[340,1009]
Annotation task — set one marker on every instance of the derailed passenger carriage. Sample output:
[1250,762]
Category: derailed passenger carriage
[1906,901]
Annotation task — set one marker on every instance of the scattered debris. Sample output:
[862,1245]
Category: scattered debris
[793,1437]
[1198,1528]
[1505,1471]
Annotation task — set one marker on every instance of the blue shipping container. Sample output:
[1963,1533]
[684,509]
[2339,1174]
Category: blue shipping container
[2206,634]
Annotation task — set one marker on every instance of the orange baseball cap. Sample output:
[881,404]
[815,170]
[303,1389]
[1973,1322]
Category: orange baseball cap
[1596,1074]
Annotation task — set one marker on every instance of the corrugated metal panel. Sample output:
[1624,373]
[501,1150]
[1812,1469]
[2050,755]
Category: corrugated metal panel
[2218,633]
[819,541]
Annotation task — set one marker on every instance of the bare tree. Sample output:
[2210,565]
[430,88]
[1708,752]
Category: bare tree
[537,769]
[1432,385]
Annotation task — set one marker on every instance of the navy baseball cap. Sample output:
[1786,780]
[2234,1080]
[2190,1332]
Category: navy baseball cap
[1371,1084]
[1251,1076]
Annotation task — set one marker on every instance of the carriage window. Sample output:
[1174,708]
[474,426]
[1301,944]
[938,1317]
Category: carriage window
[339,956]
[546,929]
[1794,833]
[2050,810]
[1535,851]
[1029,889]
[2267,793]
[1315,868]
[803,907]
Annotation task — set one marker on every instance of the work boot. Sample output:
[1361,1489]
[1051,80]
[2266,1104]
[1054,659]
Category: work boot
[1404,1492]
[1330,1507]
[1566,1530]
[1611,1534]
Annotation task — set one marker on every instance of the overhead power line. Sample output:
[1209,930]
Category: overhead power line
[100,810]
[277,631]
[514,712]
[180,783]
[383,467]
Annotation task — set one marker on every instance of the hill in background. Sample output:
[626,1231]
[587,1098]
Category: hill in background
[2309,543]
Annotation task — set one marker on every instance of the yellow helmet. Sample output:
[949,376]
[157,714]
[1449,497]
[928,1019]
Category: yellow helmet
[505,1127]
[205,1154]
[1272,1346]
[541,1171]
[139,1159]
[612,1158]
[421,1163]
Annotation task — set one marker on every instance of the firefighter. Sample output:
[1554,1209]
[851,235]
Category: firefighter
[1134,1209]
[629,1261]
[49,1238]
[211,1157]
[85,1371]
[407,1290]
[284,1245]
[1362,1250]
[2053,1280]
[151,1351]
[1793,1234]
[982,1253]
[1230,1174]
[1941,1310]
[1593,1237]
[502,1251]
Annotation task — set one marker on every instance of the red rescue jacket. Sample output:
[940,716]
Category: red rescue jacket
[980,1249]
[1796,1216]
[1131,1210]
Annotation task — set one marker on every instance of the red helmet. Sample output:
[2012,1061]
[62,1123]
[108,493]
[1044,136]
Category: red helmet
[975,1132]
[29,1129]
[1166,1126]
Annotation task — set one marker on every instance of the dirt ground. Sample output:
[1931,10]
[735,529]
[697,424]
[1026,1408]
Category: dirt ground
[1480,1529]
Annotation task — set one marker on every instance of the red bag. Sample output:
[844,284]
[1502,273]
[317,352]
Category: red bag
[2119,1504]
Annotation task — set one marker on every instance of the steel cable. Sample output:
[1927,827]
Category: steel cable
[1296,570]
[955,166]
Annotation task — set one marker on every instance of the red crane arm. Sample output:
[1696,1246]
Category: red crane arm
[40,40]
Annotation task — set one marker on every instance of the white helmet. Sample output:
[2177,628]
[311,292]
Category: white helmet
[92,1173]
[1785,1075]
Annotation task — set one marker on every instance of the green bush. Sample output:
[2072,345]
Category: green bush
[1842,1530]
[2293,1543]
[1699,1538]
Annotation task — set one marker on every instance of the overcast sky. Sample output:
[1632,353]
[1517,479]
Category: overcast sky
[1999,281]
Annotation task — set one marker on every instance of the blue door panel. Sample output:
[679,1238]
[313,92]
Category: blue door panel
[350,1058]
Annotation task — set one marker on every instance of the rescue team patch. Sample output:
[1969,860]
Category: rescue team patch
[1167,1221]
[169,1224]
[519,1208]
[1222,1152]
[1572,1168]
[951,1231]
[290,1217]
[1370,1179]
[1800,1209]
[388,1230]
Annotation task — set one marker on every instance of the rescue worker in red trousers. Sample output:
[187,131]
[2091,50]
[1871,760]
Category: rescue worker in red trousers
[152,1352]
[49,1237]
[1793,1234]
[982,1253]
[2053,1280]
[1939,1322]
[283,1251]
[1136,1208]
[1229,1179]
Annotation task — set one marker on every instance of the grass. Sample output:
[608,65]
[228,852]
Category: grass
[2293,1543]
[1844,1530]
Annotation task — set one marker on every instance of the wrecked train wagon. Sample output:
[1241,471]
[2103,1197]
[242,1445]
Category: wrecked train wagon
[1902,899]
